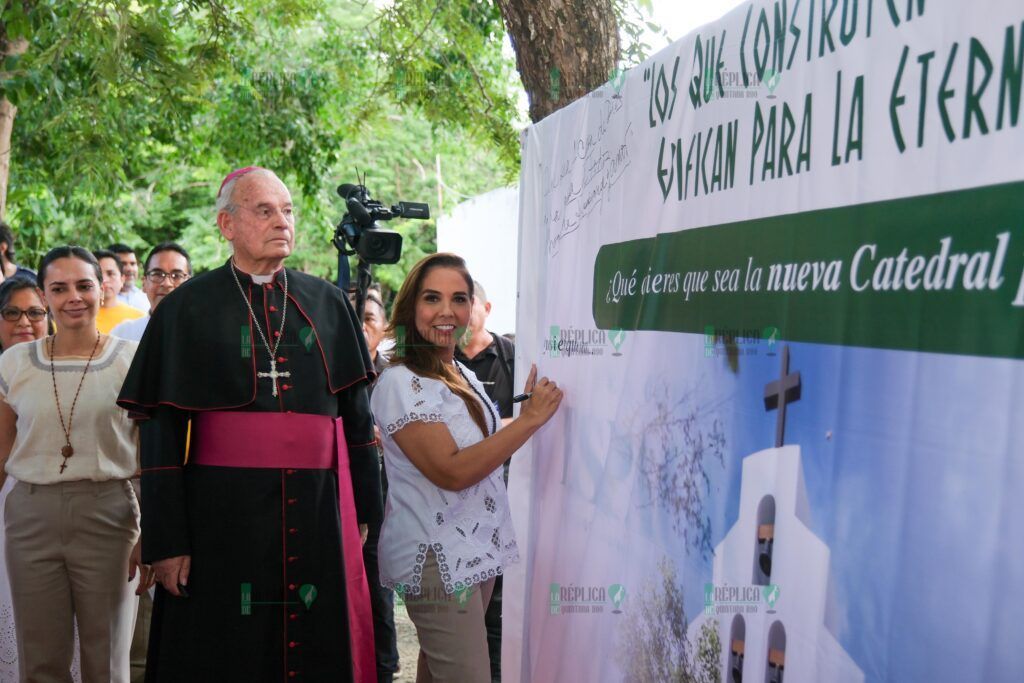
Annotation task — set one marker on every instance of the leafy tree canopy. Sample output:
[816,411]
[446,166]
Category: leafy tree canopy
[129,113]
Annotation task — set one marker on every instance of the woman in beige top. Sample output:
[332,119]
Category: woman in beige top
[72,520]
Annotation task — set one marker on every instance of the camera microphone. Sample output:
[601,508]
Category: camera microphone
[412,210]
[359,212]
[346,190]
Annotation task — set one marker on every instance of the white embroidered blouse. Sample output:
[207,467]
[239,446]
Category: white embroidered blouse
[470,531]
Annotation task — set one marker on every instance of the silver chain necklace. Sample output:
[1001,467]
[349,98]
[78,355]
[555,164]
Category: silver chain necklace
[273,374]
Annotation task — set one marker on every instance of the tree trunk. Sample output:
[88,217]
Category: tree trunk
[7,114]
[564,48]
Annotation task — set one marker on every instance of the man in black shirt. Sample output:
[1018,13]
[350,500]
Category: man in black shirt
[492,358]
[382,600]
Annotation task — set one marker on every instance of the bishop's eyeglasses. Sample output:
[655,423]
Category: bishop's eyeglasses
[157,277]
[12,314]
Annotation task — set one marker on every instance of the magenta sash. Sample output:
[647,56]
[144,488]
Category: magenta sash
[299,441]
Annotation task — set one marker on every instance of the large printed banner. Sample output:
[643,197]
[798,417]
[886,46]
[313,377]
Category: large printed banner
[779,270]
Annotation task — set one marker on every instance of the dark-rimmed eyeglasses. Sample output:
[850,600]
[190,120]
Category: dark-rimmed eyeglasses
[158,276]
[12,314]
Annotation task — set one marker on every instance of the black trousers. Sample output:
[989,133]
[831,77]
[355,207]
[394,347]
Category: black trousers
[382,605]
[492,619]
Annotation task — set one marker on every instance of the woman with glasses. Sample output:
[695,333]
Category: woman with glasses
[22,313]
[72,519]
[166,267]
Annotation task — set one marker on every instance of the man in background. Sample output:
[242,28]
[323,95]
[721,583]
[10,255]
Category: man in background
[7,265]
[112,310]
[167,266]
[382,599]
[492,358]
[129,293]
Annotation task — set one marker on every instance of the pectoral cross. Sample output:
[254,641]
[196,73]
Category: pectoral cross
[273,375]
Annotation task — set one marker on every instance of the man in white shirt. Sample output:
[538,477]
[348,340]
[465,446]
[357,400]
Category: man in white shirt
[129,293]
[167,266]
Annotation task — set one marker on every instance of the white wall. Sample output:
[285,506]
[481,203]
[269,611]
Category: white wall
[484,230]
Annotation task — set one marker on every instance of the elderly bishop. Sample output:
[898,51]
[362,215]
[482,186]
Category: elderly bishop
[259,465]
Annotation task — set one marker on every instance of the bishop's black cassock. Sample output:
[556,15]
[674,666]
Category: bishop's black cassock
[259,537]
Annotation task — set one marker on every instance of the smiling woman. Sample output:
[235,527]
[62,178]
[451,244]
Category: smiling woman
[66,569]
[23,315]
[447,531]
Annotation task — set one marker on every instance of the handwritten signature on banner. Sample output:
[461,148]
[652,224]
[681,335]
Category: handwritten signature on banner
[578,185]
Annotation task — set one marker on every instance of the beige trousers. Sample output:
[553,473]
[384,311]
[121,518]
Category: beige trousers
[140,638]
[67,557]
[451,629]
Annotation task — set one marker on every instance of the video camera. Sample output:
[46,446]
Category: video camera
[359,230]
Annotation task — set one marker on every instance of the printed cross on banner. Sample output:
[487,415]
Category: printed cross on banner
[780,392]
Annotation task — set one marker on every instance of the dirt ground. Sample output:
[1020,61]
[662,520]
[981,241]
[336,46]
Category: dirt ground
[408,646]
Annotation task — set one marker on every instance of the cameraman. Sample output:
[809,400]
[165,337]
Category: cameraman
[382,600]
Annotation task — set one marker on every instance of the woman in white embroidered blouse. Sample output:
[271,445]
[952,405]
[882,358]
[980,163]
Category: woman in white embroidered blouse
[447,531]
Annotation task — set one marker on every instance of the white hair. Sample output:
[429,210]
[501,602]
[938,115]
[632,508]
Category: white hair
[225,200]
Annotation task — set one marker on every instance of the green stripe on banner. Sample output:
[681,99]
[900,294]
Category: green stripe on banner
[941,273]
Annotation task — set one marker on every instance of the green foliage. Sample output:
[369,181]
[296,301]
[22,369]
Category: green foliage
[446,59]
[131,111]
[634,17]
[102,90]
